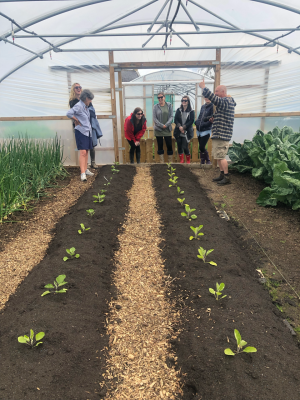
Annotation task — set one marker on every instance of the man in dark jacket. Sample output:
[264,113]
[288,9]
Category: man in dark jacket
[222,128]
[203,125]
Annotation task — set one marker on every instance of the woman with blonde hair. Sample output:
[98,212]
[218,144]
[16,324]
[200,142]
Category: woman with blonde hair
[74,99]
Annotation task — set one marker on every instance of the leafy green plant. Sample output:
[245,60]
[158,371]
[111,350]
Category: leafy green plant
[218,291]
[188,212]
[99,198]
[59,281]
[90,212]
[173,181]
[179,191]
[72,254]
[83,229]
[114,169]
[240,344]
[203,254]
[102,191]
[196,231]
[181,201]
[31,340]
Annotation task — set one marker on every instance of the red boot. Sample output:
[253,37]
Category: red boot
[188,159]
[181,158]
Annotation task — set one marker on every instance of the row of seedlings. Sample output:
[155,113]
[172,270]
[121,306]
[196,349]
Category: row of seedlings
[56,288]
[188,213]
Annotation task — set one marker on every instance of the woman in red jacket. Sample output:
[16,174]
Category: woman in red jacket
[135,126]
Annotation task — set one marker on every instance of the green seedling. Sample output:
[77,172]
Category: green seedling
[90,212]
[240,344]
[72,254]
[188,212]
[59,281]
[173,181]
[218,292]
[114,170]
[103,191]
[31,341]
[83,229]
[196,231]
[181,201]
[203,254]
[179,191]
[116,163]
[99,198]
[168,165]
[171,174]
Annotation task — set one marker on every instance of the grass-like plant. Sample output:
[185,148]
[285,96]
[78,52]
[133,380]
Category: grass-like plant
[72,254]
[203,254]
[181,201]
[196,231]
[31,340]
[59,281]
[188,212]
[240,344]
[218,291]
[179,191]
[83,229]
[99,198]
[90,212]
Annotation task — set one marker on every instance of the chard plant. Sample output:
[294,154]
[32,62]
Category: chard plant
[196,231]
[181,201]
[240,344]
[203,254]
[59,281]
[83,229]
[114,170]
[72,254]
[179,191]
[90,212]
[173,181]
[99,198]
[31,340]
[188,212]
[218,291]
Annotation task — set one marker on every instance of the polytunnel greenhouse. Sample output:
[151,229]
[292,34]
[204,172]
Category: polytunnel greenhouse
[149,199]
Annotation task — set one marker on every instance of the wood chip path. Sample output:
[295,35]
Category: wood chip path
[141,319]
[29,247]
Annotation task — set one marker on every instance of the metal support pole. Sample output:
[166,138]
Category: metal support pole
[186,43]
[21,47]
[158,15]
[162,25]
[190,17]
[113,104]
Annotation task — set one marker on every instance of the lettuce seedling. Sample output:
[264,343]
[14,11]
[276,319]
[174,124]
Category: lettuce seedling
[179,191]
[90,212]
[103,191]
[218,292]
[196,232]
[203,254]
[72,254]
[99,198]
[83,229]
[240,344]
[188,212]
[181,201]
[59,281]
[173,181]
[31,341]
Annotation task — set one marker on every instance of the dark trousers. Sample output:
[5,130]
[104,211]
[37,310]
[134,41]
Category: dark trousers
[202,142]
[182,145]
[160,144]
[134,148]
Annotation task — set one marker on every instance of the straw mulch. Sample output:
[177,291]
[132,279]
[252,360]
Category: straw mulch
[29,247]
[141,319]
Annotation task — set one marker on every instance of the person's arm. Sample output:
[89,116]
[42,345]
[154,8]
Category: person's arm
[71,114]
[169,122]
[128,128]
[140,134]
[220,102]
[190,122]
[155,120]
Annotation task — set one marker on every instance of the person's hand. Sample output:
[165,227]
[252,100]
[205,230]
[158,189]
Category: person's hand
[211,120]
[202,84]
[76,121]
[137,143]
[164,127]
[181,129]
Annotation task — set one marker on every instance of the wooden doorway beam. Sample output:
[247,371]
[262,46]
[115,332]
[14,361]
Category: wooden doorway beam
[122,115]
[217,82]
[113,103]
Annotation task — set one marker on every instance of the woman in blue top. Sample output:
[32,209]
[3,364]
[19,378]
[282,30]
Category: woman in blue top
[203,125]
[83,130]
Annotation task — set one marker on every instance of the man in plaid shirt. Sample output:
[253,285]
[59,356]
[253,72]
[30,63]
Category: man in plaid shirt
[222,128]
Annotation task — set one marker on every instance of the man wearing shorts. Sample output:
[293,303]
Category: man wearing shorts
[222,128]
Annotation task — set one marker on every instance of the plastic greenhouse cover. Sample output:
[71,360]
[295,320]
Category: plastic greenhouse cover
[261,79]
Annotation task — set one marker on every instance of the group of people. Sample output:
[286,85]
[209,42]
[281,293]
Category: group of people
[219,124]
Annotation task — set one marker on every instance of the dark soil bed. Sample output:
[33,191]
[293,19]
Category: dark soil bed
[70,362]
[207,325]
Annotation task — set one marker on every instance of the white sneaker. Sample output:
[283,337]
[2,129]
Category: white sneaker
[89,173]
[83,177]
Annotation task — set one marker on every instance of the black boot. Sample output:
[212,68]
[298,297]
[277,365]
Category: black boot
[138,157]
[131,158]
[219,177]
[93,162]
[224,181]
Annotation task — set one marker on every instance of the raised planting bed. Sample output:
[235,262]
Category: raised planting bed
[70,362]
[207,326]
